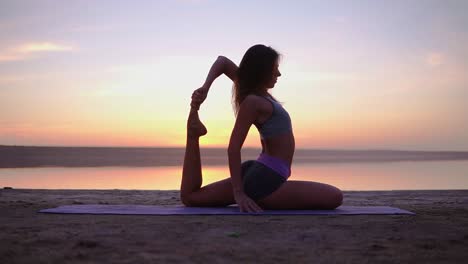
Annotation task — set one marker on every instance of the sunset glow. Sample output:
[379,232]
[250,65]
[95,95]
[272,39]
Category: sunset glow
[360,74]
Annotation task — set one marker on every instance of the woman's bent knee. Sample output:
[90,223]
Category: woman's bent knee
[336,199]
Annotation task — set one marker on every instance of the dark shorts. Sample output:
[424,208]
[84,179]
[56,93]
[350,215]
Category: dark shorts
[260,180]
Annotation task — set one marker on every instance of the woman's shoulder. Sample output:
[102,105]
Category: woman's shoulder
[260,103]
[253,99]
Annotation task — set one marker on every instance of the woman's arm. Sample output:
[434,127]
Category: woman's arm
[230,69]
[246,116]
[220,66]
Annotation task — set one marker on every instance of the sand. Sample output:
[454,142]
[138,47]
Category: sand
[437,234]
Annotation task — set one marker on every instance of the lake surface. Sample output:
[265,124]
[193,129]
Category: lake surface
[401,175]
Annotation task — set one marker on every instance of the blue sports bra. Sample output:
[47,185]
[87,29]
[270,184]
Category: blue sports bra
[278,123]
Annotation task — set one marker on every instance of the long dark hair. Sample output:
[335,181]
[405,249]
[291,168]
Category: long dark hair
[255,69]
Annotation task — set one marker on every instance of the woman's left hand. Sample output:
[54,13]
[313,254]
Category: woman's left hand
[246,204]
[199,96]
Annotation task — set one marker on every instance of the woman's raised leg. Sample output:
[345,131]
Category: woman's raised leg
[215,194]
[191,172]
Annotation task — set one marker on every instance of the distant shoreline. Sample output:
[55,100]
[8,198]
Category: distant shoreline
[38,156]
[249,148]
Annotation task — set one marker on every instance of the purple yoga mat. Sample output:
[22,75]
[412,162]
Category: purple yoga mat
[129,209]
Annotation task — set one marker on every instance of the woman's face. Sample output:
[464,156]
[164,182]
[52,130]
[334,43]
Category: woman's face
[274,76]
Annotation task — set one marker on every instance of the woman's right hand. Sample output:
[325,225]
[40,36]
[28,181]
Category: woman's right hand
[246,204]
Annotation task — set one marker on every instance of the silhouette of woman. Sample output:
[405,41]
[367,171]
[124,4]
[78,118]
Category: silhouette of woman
[255,184]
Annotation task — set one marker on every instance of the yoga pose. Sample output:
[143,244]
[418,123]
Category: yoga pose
[255,184]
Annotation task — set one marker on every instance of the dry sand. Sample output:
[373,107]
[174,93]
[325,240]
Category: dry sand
[437,234]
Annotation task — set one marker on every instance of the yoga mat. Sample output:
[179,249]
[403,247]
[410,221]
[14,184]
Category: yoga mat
[128,209]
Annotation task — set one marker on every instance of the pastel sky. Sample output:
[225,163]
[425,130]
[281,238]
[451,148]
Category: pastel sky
[355,74]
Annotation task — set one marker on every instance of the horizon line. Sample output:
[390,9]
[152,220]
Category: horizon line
[250,148]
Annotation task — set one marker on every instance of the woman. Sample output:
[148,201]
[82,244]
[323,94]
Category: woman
[259,184]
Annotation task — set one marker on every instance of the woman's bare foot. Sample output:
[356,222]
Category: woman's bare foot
[195,127]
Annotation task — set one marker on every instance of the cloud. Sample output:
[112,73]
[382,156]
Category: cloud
[9,56]
[192,1]
[41,47]
[92,28]
[27,50]
[435,59]
[339,19]
[9,79]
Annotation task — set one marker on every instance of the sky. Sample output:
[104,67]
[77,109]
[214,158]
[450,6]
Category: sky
[355,74]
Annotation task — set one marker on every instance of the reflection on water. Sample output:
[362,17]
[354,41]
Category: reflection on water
[161,178]
[347,176]
[434,175]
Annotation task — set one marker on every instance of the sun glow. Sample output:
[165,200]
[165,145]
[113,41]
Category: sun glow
[351,77]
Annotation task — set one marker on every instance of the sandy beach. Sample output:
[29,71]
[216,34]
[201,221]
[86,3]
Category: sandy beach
[438,233]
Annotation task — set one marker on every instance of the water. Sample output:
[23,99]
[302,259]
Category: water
[402,175]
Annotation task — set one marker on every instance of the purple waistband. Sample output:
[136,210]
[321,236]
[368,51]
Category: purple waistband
[276,164]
